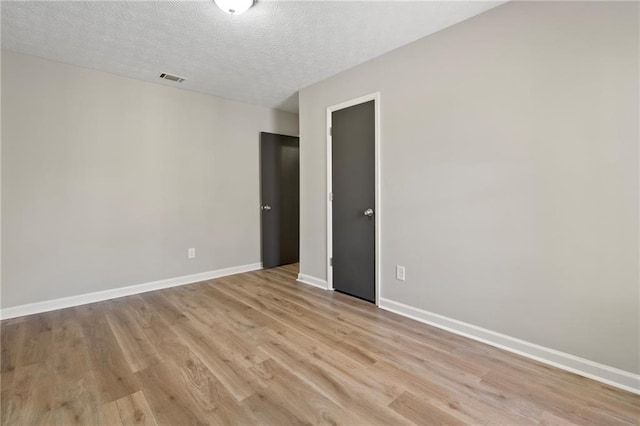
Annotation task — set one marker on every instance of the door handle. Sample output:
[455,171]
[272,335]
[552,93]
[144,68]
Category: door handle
[265,208]
[368,212]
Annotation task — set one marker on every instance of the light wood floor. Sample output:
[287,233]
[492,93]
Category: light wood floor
[259,348]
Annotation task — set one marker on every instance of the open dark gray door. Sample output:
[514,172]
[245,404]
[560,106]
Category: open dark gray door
[280,198]
[353,181]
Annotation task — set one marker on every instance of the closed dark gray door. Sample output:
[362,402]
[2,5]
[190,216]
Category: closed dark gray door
[280,195]
[353,187]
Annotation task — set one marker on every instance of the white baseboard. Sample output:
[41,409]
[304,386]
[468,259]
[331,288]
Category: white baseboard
[316,282]
[98,296]
[583,367]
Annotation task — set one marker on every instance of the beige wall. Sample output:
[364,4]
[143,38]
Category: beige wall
[107,181]
[509,174]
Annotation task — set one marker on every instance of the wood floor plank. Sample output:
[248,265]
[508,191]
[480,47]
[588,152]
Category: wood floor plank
[339,317]
[76,397]
[166,310]
[555,399]
[332,337]
[141,311]
[269,411]
[344,393]
[240,316]
[30,400]
[296,352]
[234,344]
[201,384]
[226,367]
[58,390]
[11,336]
[420,361]
[167,397]
[316,377]
[297,397]
[473,405]
[421,411]
[36,344]
[164,339]
[129,410]
[135,347]
[261,348]
[175,389]
[111,372]
[355,311]
[549,419]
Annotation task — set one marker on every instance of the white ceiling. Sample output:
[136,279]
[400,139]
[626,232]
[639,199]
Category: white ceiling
[262,57]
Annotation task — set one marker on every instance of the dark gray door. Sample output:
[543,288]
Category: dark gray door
[280,198]
[353,181]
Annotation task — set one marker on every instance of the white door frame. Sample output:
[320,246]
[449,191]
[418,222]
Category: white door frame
[377,216]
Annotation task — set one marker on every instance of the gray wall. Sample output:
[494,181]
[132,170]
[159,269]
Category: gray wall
[509,174]
[107,181]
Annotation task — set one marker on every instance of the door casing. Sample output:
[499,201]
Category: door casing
[378,203]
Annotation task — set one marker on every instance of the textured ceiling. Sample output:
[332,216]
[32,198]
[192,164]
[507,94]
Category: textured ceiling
[262,57]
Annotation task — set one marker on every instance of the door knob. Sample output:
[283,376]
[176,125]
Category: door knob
[368,212]
[266,207]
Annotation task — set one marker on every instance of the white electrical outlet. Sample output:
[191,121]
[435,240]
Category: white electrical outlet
[399,273]
[191,253]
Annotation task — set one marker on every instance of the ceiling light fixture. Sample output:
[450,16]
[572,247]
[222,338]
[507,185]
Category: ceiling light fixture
[234,7]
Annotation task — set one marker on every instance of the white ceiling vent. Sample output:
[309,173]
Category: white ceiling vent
[172,77]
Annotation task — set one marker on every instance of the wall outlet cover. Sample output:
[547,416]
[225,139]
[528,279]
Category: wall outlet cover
[400,275]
